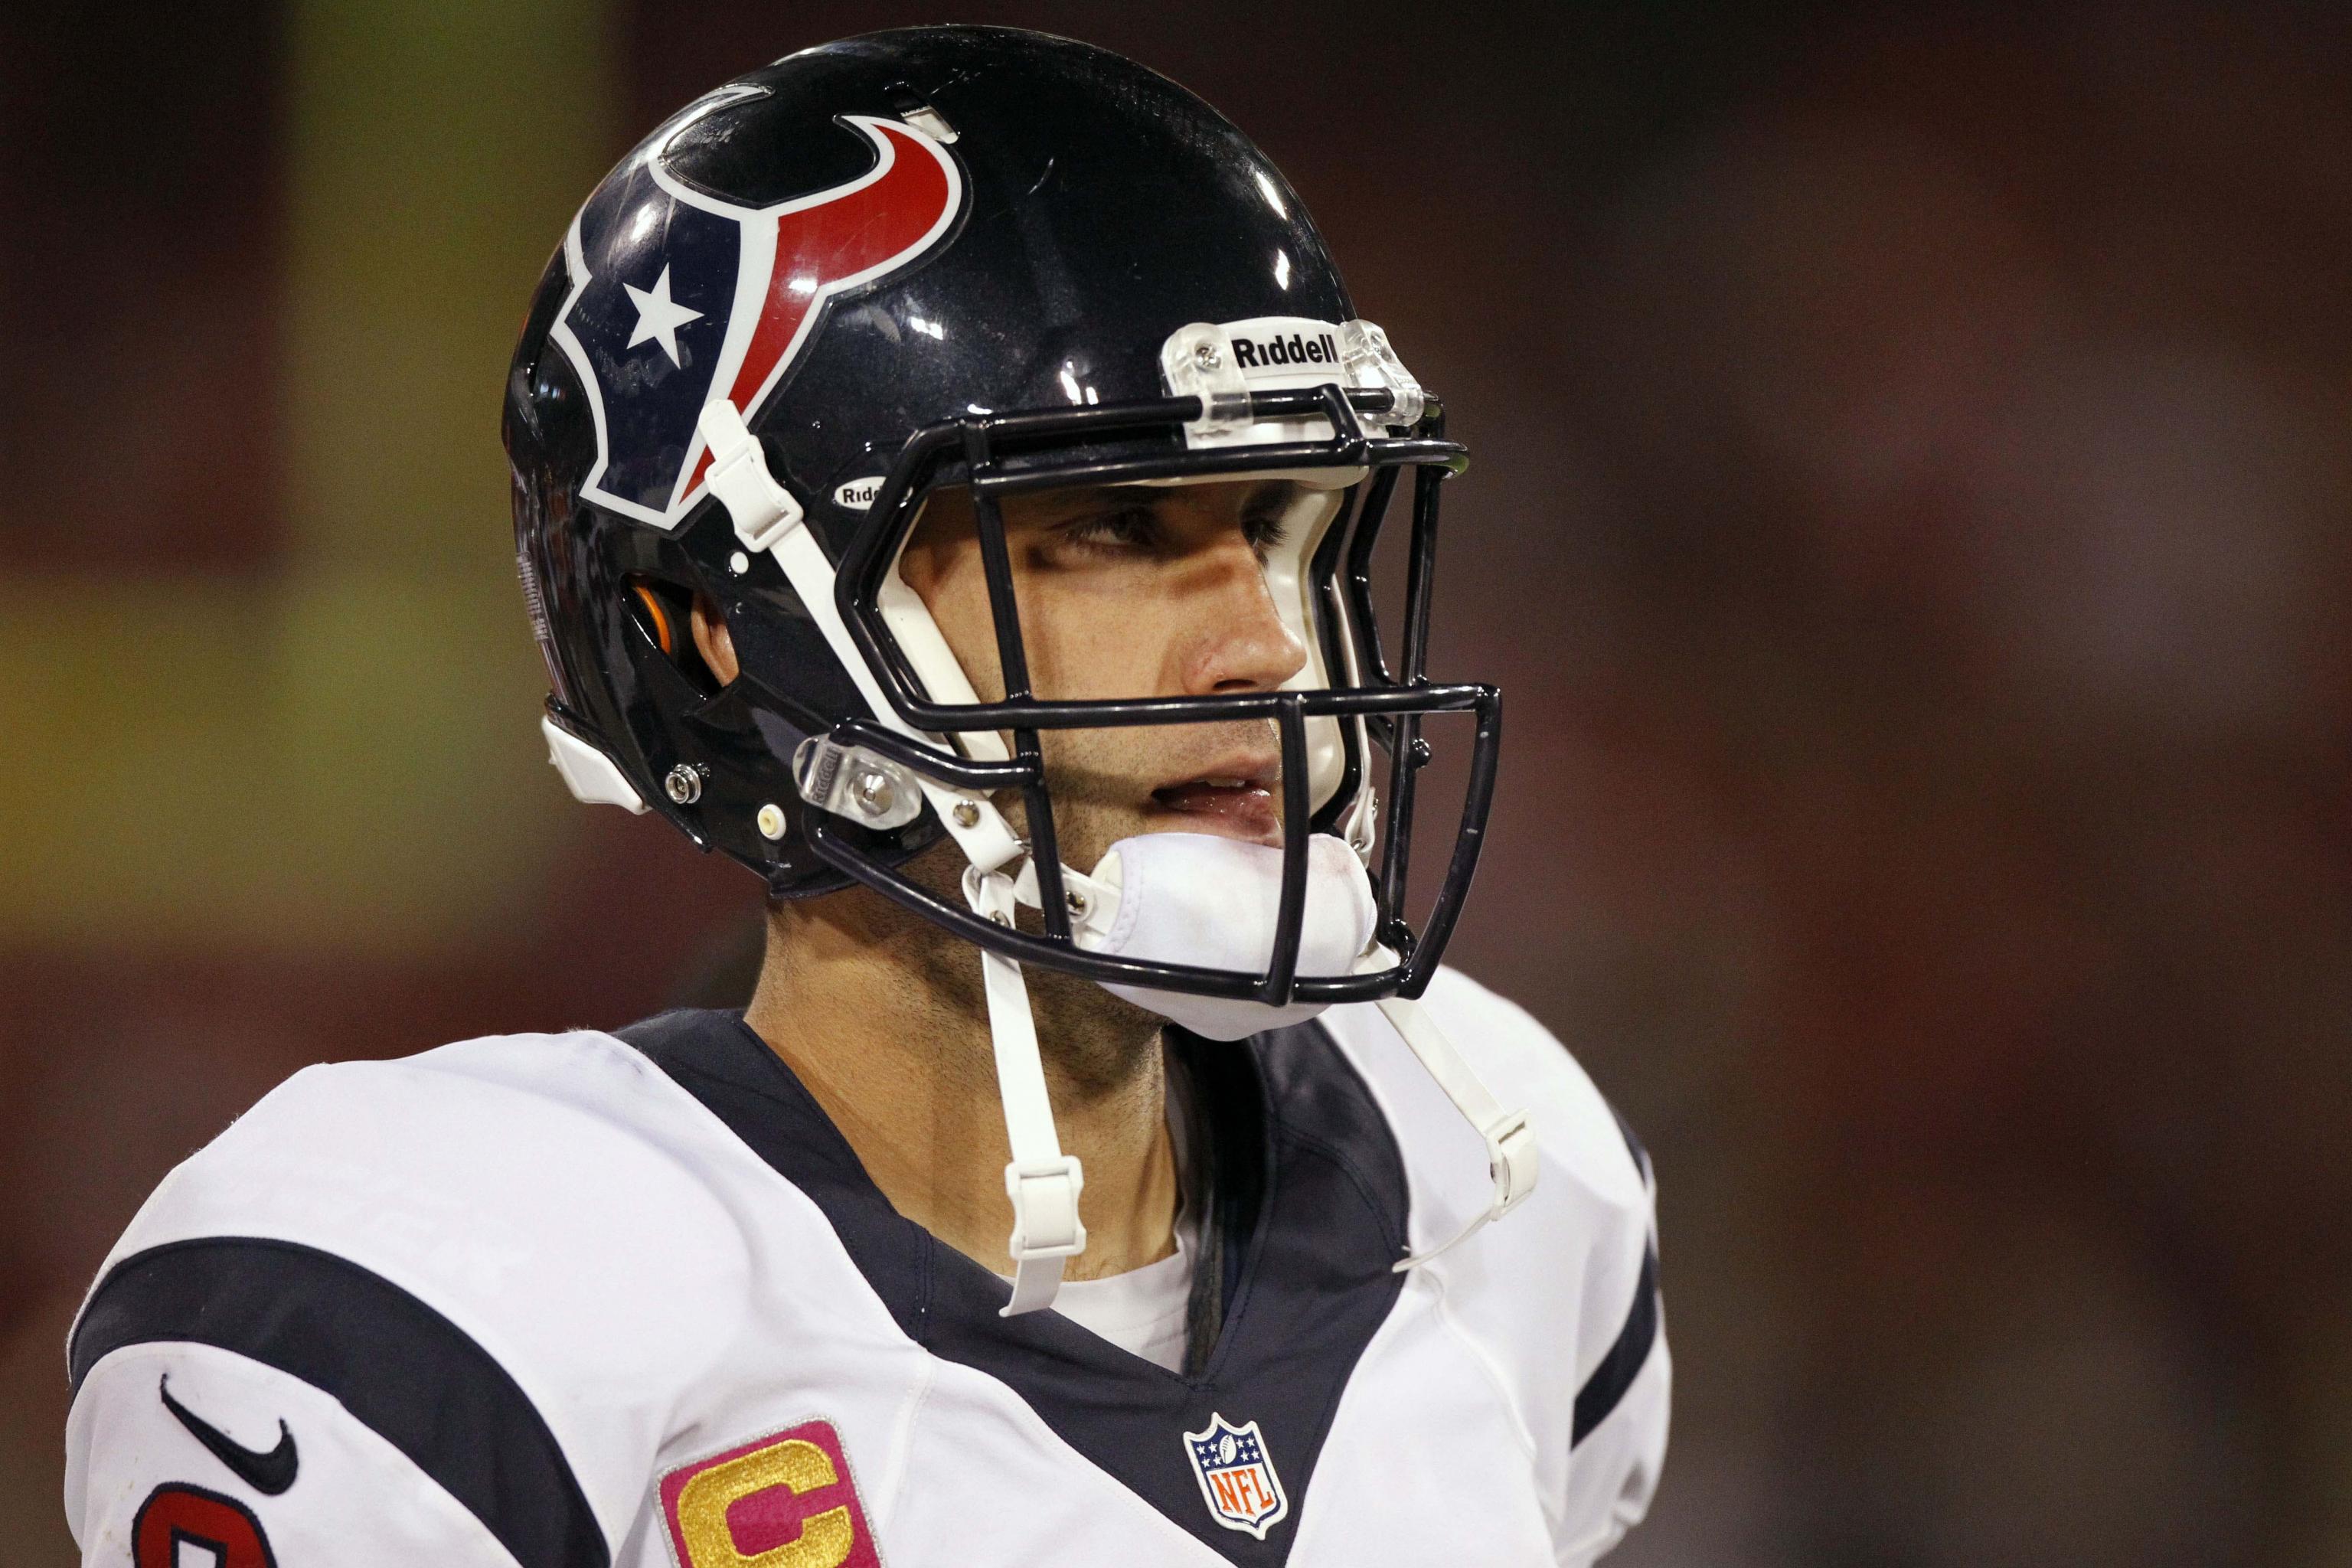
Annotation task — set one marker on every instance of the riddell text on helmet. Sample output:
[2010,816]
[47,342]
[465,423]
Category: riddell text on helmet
[1256,353]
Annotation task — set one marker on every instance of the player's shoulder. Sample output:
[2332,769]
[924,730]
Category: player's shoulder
[1570,1264]
[1527,1066]
[1558,1296]
[552,1197]
[513,1260]
[1585,1144]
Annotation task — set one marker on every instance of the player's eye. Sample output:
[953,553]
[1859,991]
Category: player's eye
[1123,528]
[1266,532]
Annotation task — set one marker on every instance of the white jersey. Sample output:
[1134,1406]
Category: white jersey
[597,1300]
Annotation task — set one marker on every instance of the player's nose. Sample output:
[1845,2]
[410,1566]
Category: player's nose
[1240,641]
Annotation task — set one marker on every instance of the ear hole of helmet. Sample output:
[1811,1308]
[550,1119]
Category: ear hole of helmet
[662,613]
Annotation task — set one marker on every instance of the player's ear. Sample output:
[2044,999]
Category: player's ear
[712,640]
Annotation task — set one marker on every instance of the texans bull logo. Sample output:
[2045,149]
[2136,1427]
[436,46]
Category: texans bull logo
[729,297]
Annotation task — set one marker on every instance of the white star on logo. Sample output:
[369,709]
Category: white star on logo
[659,317]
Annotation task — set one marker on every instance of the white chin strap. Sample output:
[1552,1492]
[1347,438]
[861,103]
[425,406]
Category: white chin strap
[1042,1181]
[1510,1138]
[1171,897]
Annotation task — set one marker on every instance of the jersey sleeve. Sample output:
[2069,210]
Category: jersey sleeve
[177,1444]
[468,1286]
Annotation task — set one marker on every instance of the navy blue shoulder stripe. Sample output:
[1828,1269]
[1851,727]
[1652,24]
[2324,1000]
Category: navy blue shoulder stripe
[1615,1375]
[1633,1144]
[402,1368]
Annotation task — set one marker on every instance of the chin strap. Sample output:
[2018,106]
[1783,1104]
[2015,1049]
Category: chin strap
[1510,1139]
[1043,1183]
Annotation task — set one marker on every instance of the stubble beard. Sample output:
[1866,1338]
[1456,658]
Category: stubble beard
[1093,1044]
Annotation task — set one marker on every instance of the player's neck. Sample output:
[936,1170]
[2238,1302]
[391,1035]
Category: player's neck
[882,1017]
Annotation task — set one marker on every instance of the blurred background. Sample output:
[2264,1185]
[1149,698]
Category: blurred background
[1909,519]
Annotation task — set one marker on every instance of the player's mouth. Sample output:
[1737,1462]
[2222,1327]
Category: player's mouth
[1233,798]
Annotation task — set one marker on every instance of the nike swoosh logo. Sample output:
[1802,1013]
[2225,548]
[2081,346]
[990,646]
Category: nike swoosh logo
[267,1474]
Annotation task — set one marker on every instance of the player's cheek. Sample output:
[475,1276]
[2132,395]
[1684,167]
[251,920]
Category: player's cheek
[1085,644]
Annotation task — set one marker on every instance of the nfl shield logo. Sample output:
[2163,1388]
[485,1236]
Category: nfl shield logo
[1237,1480]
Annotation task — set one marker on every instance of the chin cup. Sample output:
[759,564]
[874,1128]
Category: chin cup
[1215,902]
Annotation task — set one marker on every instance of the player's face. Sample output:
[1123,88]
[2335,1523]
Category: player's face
[1126,592]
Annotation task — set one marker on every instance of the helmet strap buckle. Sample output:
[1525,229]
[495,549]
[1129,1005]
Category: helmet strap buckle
[1046,1221]
[1512,1156]
[763,510]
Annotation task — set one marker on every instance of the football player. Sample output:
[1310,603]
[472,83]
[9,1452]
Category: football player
[947,473]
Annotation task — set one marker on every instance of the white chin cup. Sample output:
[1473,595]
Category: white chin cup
[1201,898]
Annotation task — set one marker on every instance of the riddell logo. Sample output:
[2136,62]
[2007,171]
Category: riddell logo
[857,495]
[1277,352]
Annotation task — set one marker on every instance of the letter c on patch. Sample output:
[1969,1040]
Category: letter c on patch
[785,1502]
[796,1466]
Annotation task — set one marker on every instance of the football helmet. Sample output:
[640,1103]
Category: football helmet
[990,260]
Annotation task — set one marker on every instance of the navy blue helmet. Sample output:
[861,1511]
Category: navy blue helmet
[967,256]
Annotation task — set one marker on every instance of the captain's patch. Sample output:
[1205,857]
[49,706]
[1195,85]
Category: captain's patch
[786,1500]
[1237,1479]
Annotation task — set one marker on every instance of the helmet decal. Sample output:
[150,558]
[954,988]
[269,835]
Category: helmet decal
[729,297]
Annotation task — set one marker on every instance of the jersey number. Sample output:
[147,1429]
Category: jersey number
[174,1512]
